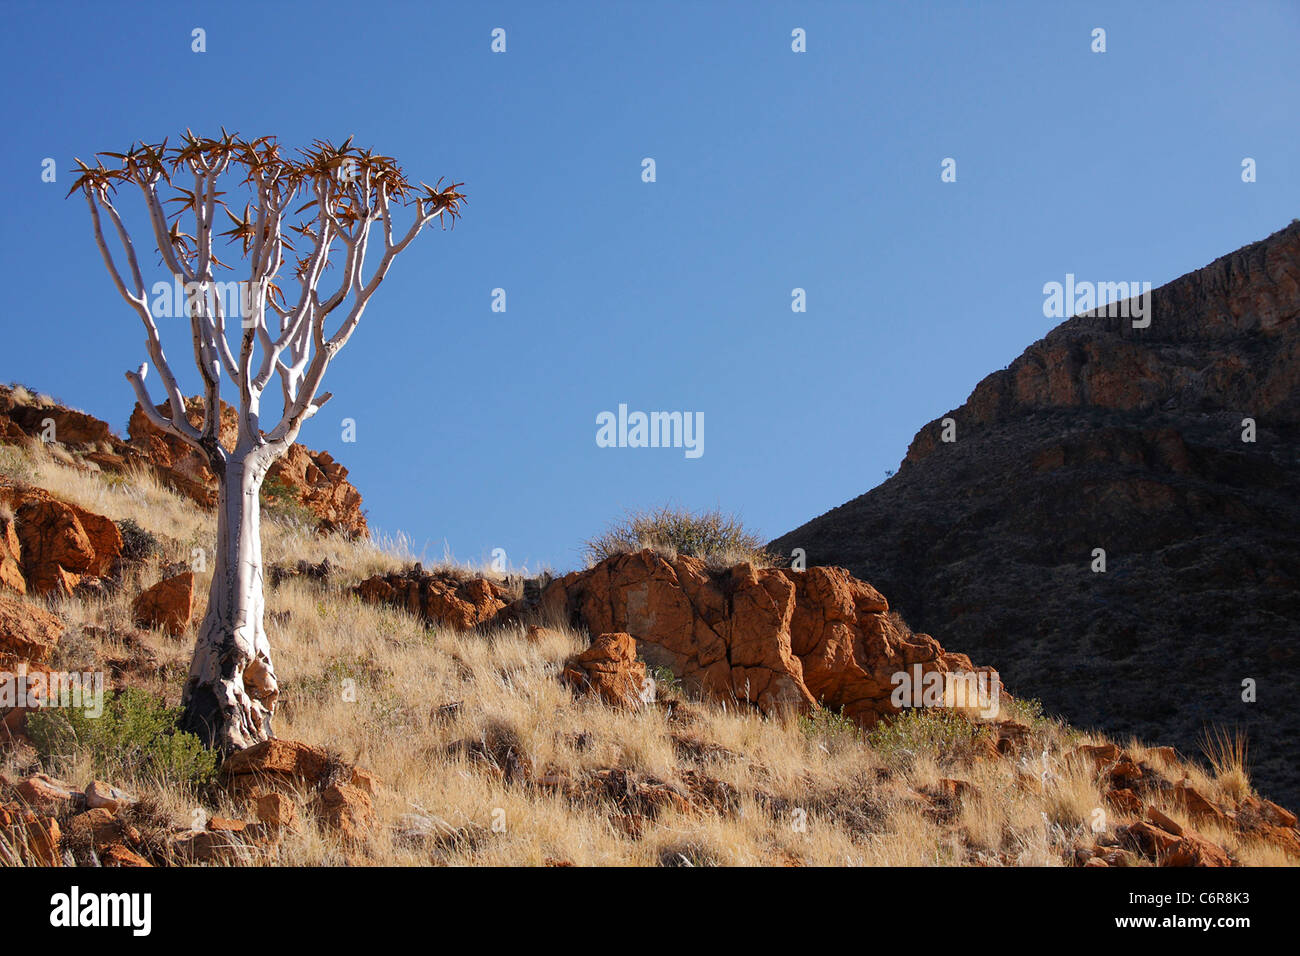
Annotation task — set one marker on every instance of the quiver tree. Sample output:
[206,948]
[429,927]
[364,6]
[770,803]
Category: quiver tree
[230,694]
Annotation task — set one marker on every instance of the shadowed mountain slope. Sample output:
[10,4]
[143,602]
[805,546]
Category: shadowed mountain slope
[1101,435]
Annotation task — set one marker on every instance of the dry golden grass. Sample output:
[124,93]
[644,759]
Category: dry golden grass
[368,682]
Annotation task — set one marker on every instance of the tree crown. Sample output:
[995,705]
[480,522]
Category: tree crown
[348,190]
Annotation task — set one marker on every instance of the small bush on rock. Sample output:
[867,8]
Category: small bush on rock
[718,539]
[16,465]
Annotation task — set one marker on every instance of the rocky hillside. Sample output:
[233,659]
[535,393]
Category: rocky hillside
[651,710]
[1103,436]
[312,483]
[771,637]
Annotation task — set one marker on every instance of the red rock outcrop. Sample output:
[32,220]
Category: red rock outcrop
[774,637]
[347,809]
[185,468]
[286,765]
[268,773]
[609,669]
[312,480]
[439,597]
[276,810]
[28,633]
[56,548]
[64,425]
[57,542]
[320,484]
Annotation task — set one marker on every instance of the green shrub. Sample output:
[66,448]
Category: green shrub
[937,731]
[281,501]
[135,735]
[718,539]
[825,723]
[667,684]
[1025,710]
[137,543]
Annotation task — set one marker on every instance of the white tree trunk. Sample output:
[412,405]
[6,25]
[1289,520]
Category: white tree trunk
[231,691]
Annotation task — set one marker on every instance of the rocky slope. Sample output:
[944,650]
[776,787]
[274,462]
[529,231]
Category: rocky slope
[1129,440]
[670,741]
[311,481]
[771,637]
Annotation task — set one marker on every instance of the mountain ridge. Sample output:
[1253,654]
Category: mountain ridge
[1101,435]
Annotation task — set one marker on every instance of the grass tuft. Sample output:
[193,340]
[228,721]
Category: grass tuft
[719,539]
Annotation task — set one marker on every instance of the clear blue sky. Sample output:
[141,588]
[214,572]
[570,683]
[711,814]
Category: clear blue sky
[775,170]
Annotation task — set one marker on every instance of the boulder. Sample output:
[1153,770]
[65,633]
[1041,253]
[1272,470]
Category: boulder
[1124,800]
[1166,843]
[99,828]
[105,541]
[1099,755]
[51,544]
[43,792]
[286,766]
[1150,840]
[1192,849]
[284,762]
[56,549]
[101,796]
[226,825]
[276,810]
[28,633]
[609,669]
[347,809]
[168,604]
[1165,755]
[1268,811]
[118,854]
[1197,806]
